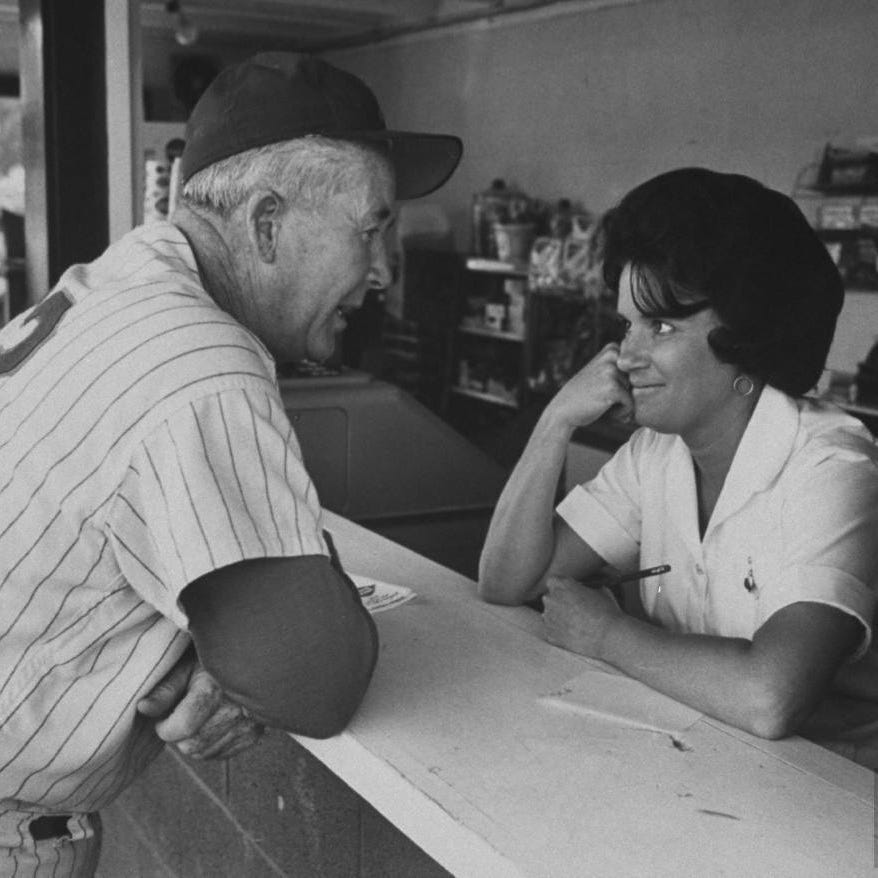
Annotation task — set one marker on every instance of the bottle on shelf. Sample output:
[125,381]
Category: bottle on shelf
[499,203]
[497,311]
[561,220]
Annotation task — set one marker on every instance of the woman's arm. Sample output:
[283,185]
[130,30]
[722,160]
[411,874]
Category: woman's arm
[522,539]
[768,686]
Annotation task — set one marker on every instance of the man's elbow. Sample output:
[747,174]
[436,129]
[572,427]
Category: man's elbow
[313,712]
[328,716]
[316,697]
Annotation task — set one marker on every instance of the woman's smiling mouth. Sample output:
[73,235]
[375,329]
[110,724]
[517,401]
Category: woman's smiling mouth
[644,388]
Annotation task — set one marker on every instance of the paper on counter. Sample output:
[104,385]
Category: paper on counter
[624,700]
[377,596]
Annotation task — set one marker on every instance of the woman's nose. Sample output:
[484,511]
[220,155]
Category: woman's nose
[631,351]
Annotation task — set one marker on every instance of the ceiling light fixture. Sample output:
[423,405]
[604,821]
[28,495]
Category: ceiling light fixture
[185,32]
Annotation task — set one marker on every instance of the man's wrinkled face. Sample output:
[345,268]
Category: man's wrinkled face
[327,259]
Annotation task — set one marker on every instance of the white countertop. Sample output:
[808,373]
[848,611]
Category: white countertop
[452,746]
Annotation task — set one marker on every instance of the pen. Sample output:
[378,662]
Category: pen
[642,574]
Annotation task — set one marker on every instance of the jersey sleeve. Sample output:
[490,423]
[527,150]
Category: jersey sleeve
[220,481]
[607,512]
[830,550]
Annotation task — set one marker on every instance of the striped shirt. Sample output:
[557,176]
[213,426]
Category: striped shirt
[143,443]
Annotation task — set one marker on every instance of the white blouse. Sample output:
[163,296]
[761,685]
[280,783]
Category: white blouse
[797,520]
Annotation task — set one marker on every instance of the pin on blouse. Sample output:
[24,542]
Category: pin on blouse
[750,579]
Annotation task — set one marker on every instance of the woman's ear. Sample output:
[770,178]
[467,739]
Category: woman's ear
[264,214]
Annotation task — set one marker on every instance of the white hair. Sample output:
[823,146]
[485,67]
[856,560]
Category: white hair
[308,170]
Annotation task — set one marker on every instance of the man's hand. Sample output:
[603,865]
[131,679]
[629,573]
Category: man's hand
[195,715]
[576,617]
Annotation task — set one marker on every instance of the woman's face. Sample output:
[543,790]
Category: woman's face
[677,383]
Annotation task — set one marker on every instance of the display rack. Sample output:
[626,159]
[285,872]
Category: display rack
[846,221]
[487,364]
[511,368]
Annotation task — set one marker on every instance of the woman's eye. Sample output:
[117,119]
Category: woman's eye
[659,327]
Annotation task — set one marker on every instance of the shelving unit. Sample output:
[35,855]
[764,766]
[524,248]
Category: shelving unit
[851,234]
[485,397]
[846,220]
[492,333]
[487,364]
[514,368]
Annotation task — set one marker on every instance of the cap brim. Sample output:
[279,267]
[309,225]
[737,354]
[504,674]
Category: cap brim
[423,162]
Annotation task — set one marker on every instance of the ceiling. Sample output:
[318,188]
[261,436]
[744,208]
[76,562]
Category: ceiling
[321,25]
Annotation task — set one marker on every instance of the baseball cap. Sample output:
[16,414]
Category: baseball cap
[277,96]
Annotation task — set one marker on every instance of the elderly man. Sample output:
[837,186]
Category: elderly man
[153,491]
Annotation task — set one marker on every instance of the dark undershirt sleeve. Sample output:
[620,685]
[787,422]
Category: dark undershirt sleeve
[287,638]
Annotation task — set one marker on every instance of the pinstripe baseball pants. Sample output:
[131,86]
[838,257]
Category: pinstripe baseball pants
[49,846]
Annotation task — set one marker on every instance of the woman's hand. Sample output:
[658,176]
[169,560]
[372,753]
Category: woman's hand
[593,390]
[577,617]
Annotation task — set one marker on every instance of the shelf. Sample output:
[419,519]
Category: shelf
[815,190]
[496,266]
[484,397]
[826,234]
[491,333]
[559,294]
[155,136]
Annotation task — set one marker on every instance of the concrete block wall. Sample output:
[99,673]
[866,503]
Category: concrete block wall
[272,811]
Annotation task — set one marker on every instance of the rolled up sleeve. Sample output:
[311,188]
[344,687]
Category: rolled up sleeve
[606,512]
[830,540]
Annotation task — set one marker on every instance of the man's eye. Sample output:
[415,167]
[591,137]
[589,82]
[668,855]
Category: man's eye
[659,327]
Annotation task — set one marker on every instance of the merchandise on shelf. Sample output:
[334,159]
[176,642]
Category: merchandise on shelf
[569,263]
[513,240]
[499,203]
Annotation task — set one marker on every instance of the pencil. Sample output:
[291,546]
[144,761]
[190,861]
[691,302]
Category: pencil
[642,574]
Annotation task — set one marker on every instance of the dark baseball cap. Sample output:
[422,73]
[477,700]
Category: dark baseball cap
[277,96]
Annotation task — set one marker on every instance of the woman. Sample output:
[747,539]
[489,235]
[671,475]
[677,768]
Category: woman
[762,502]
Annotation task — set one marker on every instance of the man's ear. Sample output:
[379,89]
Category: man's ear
[265,210]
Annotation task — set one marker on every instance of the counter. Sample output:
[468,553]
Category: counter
[452,746]
[452,765]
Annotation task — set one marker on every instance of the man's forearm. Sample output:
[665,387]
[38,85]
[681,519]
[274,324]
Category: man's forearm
[287,638]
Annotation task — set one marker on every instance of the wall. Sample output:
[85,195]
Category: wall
[590,102]
[9,61]
[586,102]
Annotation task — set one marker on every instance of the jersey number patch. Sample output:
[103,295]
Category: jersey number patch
[24,335]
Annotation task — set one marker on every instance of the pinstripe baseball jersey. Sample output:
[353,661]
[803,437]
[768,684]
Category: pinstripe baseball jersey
[143,443]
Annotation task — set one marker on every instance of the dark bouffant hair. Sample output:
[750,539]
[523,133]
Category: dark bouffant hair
[697,238]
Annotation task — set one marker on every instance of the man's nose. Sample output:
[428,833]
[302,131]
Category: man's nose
[379,272]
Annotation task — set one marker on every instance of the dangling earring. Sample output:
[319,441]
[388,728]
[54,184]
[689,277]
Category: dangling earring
[744,385]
